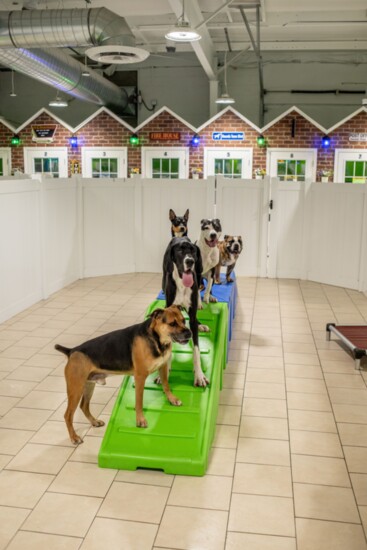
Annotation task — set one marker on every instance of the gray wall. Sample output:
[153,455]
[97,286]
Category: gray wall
[179,82]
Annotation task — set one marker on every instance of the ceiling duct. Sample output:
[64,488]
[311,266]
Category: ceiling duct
[56,68]
[63,28]
[24,33]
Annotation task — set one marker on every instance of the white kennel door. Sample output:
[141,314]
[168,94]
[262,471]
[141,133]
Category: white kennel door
[165,162]
[235,162]
[350,166]
[5,161]
[292,165]
[46,160]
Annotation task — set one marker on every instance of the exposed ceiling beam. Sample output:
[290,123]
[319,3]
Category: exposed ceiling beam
[204,48]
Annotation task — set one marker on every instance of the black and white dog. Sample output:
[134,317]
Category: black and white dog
[208,245]
[182,268]
[178,223]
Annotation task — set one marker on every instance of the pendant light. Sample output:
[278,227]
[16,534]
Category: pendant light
[85,71]
[58,102]
[12,93]
[225,98]
[182,31]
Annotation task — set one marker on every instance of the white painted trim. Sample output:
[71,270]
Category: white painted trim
[349,117]
[228,109]
[108,112]
[291,150]
[7,125]
[337,154]
[159,112]
[185,150]
[47,112]
[301,113]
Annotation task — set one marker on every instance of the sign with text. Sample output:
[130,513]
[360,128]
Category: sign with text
[228,136]
[43,133]
[165,136]
[357,137]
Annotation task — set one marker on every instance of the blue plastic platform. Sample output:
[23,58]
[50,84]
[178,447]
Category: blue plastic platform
[178,439]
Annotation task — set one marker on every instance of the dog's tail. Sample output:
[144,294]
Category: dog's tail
[63,349]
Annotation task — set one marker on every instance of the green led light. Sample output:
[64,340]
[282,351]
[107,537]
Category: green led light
[134,140]
[15,140]
[261,141]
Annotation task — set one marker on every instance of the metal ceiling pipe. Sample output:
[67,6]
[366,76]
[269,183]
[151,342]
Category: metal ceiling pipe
[58,69]
[63,28]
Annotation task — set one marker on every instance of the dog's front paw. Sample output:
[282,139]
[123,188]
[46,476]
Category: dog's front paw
[201,380]
[217,282]
[76,440]
[212,299]
[206,299]
[141,422]
[204,328]
[97,423]
[175,401]
[229,280]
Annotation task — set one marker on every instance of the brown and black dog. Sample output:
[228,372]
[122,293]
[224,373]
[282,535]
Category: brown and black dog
[229,250]
[137,350]
[178,223]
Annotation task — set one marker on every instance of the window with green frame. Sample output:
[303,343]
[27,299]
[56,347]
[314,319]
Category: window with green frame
[104,167]
[165,168]
[291,170]
[355,171]
[47,165]
[1,167]
[229,168]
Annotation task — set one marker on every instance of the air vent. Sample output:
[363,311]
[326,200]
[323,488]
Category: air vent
[119,55]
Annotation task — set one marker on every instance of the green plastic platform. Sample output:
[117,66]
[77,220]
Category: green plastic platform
[178,439]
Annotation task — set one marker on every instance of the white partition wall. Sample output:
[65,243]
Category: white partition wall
[242,207]
[108,226]
[337,234]
[157,197]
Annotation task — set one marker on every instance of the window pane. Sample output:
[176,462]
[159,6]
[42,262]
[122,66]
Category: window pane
[46,165]
[359,167]
[281,168]
[174,165]
[54,165]
[349,168]
[301,168]
[95,166]
[218,166]
[156,167]
[1,167]
[348,180]
[291,167]
[113,166]
[165,166]
[173,176]
[237,167]
[104,165]
[228,167]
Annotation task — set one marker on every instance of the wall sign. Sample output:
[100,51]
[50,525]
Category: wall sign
[165,136]
[357,137]
[44,133]
[228,136]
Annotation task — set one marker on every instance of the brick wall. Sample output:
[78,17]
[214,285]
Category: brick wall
[104,130]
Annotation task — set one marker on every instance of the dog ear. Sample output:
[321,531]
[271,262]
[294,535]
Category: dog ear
[172,215]
[157,313]
[198,264]
[216,224]
[168,259]
[226,237]
[186,215]
[240,238]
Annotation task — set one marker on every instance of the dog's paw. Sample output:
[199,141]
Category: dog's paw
[175,401]
[204,328]
[200,306]
[229,280]
[158,380]
[201,380]
[141,422]
[76,440]
[206,299]
[97,423]
[217,282]
[212,299]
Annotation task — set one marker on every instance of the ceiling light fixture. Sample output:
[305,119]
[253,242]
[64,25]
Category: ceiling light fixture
[12,93]
[85,71]
[182,31]
[225,98]
[58,102]
[117,54]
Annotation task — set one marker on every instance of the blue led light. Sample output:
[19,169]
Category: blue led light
[73,141]
[195,140]
[326,141]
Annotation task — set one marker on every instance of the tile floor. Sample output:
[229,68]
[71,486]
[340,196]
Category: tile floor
[288,469]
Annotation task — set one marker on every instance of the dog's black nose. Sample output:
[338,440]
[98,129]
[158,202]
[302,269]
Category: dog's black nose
[189,262]
[236,248]
[213,236]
